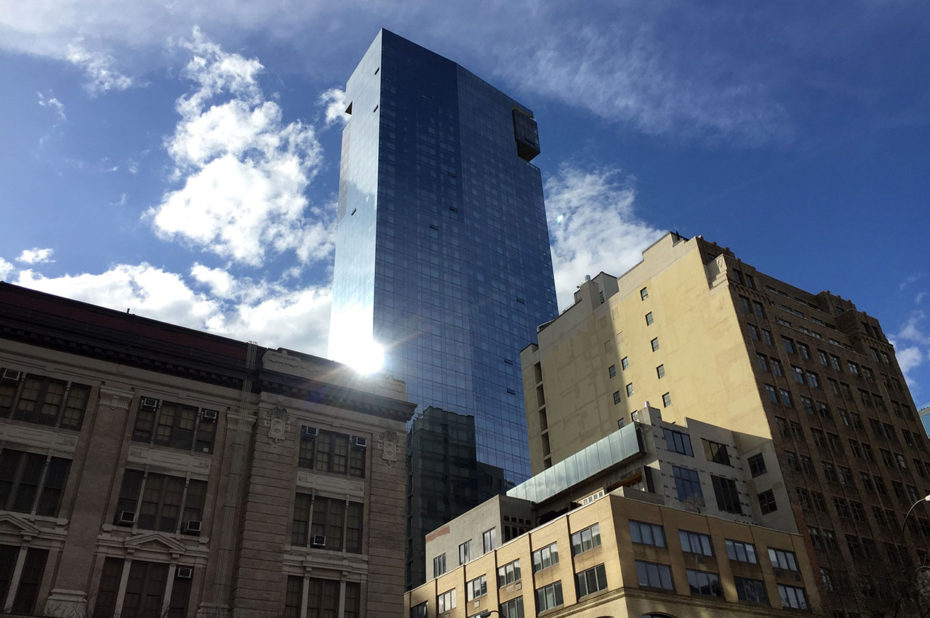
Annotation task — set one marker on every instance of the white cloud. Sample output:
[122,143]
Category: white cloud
[5,269]
[920,297]
[267,313]
[36,256]
[909,280]
[52,103]
[592,227]
[335,101]
[243,171]
[912,329]
[98,66]
[909,359]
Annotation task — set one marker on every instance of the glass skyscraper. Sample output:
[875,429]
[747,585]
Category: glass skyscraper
[442,249]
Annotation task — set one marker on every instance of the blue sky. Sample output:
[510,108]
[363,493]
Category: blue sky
[181,160]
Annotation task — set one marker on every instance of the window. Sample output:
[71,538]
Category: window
[649,319]
[512,608]
[489,540]
[644,294]
[756,465]
[465,552]
[591,580]
[549,596]
[777,368]
[655,344]
[660,371]
[654,575]
[750,590]
[439,565]
[767,502]
[767,337]
[805,351]
[329,523]
[788,344]
[625,362]
[762,361]
[175,425]
[647,534]
[417,611]
[616,397]
[704,583]
[744,304]
[586,539]
[783,559]
[716,452]
[793,597]
[629,389]
[329,451]
[42,400]
[753,332]
[771,393]
[758,309]
[695,543]
[153,501]
[612,371]
[26,589]
[687,483]
[666,400]
[726,493]
[477,587]
[739,551]
[678,442]
[545,557]
[445,602]
[853,368]
[798,374]
[32,483]
[508,574]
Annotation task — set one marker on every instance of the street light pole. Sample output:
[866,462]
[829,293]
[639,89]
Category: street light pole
[903,528]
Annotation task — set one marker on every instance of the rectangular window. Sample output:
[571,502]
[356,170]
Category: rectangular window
[508,574]
[612,371]
[739,551]
[767,337]
[655,344]
[751,590]
[175,425]
[43,400]
[660,371]
[763,362]
[687,483]
[771,393]
[666,400]
[753,332]
[805,351]
[644,294]
[756,465]
[549,596]
[793,597]
[678,442]
[419,611]
[649,319]
[625,362]
[545,557]
[798,374]
[783,559]
[654,575]
[465,552]
[616,397]
[758,309]
[767,502]
[334,524]
[704,583]
[586,539]
[726,493]
[512,608]
[695,543]
[716,452]
[152,501]
[629,389]
[591,580]
[647,534]
[788,344]
[489,540]
[476,588]
[445,602]
[777,368]
[32,483]
[333,452]
[439,565]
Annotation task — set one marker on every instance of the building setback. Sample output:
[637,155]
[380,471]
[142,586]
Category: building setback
[152,470]
[805,379]
[442,249]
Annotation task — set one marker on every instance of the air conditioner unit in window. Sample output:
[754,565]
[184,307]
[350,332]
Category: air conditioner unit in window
[126,518]
[193,527]
[11,375]
[308,433]
[184,572]
[360,441]
[208,416]
[149,403]
[318,541]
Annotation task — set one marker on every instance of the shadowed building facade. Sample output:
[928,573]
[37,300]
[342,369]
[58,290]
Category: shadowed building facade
[149,470]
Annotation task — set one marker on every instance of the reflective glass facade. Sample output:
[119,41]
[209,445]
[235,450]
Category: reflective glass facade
[442,250]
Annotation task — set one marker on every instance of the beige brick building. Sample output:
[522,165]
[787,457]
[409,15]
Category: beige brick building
[806,380]
[152,470]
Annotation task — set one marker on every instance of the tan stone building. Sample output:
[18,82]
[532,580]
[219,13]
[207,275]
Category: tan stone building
[605,532]
[805,379]
[152,470]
